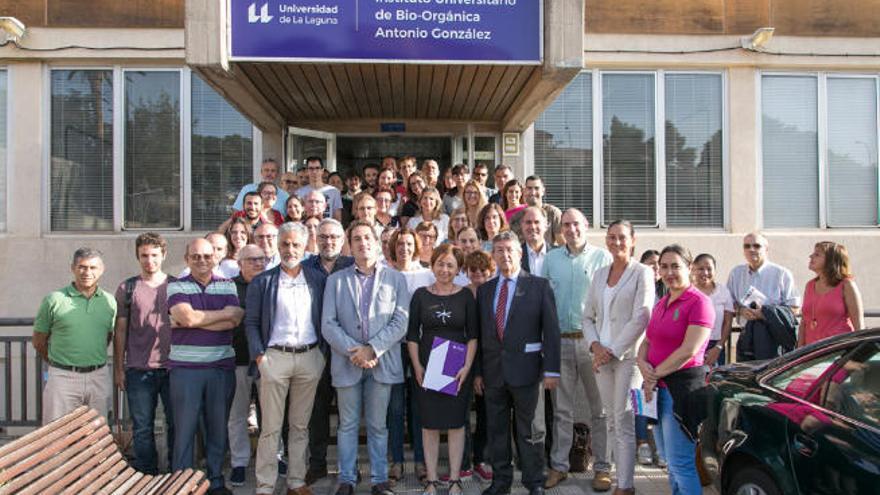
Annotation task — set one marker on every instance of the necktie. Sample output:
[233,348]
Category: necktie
[500,309]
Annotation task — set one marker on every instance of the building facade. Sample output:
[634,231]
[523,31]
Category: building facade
[119,117]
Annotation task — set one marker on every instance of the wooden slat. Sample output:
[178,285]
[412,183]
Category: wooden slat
[423,98]
[476,91]
[449,90]
[410,91]
[141,485]
[43,454]
[465,85]
[513,91]
[360,90]
[37,439]
[117,481]
[398,88]
[88,483]
[300,89]
[368,73]
[74,468]
[188,478]
[438,85]
[385,85]
[265,79]
[310,77]
[491,87]
[154,483]
[340,75]
[162,482]
[333,87]
[130,483]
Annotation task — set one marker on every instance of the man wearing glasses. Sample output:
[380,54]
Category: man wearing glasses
[283,324]
[329,260]
[269,173]
[315,169]
[481,175]
[756,285]
[251,262]
[266,238]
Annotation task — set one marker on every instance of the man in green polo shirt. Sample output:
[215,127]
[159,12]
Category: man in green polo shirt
[71,331]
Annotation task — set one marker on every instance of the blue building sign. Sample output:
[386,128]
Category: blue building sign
[444,31]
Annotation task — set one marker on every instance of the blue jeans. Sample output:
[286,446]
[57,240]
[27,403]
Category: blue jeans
[396,421]
[202,394]
[143,389]
[372,398]
[679,450]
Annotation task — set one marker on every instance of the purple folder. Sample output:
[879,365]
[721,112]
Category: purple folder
[446,359]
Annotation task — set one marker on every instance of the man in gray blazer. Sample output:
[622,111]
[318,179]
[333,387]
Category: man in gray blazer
[366,308]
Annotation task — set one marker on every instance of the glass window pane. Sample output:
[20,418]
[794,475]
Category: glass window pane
[81,150]
[852,152]
[222,156]
[800,380]
[564,147]
[4,88]
[790,151]
[152,150]
[628,166]
[694,194]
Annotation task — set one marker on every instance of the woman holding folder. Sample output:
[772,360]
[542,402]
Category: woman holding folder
[447,311]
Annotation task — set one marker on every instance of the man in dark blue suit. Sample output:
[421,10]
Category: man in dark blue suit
[283,324]
[519,350]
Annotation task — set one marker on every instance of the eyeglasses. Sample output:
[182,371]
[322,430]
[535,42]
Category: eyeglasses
[265,237]
[755,245]
[325,237]
[288,181]
[200,257]
[256,260]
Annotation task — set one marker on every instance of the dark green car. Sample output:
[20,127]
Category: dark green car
[804,423]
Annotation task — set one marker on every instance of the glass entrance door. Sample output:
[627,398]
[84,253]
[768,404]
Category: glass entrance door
[305,143]
[353,152]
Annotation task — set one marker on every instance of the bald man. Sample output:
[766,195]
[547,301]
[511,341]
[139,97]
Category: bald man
[204,309]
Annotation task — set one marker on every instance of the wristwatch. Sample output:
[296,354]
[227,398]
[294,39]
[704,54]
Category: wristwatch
[720,347]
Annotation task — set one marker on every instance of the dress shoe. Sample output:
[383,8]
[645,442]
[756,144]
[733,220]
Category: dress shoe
[345,489]
[313,475]
[624,491]
[496,490]
[536,490]
[554,478]
[303,490]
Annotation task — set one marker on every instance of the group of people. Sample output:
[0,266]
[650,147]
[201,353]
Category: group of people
[322,288]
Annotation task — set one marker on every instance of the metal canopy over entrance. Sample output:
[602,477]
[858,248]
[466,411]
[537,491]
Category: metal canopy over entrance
[354,97]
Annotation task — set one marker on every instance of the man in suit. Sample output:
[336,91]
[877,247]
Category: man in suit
[283,324]
[366,308]
[519,350]
[534,247]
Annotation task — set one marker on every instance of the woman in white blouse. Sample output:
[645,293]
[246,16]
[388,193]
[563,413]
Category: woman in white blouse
[617,310]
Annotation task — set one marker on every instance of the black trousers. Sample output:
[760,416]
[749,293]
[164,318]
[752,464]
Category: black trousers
[521,402]
[319,423]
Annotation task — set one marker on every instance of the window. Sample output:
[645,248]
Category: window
[81,150]
[155,153]
[564,147]
[222,156]
[152,150]
[4,89]
[799,380]
[854,389]
[671,179]
[820,145]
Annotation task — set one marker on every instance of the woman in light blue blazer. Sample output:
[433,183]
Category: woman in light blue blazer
[616,313]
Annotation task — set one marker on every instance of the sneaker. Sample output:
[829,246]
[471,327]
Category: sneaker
[601,481]
[644,455]
[381,489]
[484,471]
[661,463]
[238,476]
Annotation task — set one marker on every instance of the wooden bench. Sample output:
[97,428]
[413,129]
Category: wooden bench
[76,454]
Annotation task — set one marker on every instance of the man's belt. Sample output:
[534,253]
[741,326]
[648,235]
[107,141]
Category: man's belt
[296,350]
[572,335]
[77,369]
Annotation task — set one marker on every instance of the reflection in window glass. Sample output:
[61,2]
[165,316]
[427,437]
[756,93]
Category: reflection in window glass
[852,152]
[152,150]
[81,184]
[564,147]
[694,195]
[854,389]
[629,177]
[798,380]
[3,130]
[222,156]
[790,148]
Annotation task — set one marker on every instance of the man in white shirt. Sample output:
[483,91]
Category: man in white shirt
[266,236]
[283,324]
[769,283]
[315,169]
[534,226]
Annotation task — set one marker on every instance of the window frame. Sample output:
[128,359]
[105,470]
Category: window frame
[118,76]
[661,223]
[4,221]
[821,78]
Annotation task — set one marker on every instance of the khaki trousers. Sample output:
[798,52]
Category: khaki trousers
[279,372]
[67,390]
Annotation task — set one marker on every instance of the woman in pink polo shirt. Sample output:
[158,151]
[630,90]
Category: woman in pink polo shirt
[671,362]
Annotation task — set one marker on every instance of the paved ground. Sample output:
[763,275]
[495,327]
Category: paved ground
[649,481]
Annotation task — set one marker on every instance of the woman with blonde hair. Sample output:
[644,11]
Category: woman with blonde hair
[474,200]
[832,300]
[430,210]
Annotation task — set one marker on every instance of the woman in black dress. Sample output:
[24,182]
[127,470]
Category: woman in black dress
[449,311]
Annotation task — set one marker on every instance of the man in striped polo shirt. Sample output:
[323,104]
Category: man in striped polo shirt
[204,309]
